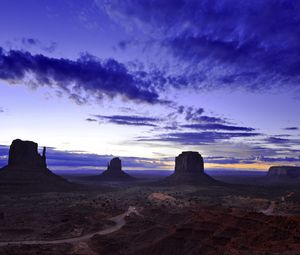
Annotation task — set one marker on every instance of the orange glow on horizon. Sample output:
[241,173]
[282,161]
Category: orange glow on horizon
[262,166]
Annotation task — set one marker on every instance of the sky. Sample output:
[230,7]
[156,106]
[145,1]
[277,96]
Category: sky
[145,80]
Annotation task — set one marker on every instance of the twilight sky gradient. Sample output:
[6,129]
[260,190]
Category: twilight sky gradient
[145,80]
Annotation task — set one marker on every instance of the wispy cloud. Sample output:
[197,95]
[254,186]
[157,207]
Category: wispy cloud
[233,43]
[130,120]
[201,138]
[217,127]
[278,141]
[291,128]
[33,42]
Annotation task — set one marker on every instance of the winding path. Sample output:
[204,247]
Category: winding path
[270,209]
[119,220]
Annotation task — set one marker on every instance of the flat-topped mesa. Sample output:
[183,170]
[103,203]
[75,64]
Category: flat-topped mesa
[25,154]
[27,171]
[189,162]
[284,171]
[189,169]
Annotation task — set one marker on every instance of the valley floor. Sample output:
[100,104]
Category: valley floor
[230,219]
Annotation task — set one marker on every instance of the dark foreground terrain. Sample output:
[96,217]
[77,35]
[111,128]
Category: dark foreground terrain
[228,219]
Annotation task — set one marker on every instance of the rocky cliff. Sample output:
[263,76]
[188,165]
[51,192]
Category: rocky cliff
[189,169]
[114,172]
[284,172]
[25,154]
[27,170]
[189,162]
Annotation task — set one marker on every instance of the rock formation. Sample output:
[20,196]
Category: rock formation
[27,170]
[114,172]
[189,169]
[115,165]
[189,162]
[24,154]
[284,172]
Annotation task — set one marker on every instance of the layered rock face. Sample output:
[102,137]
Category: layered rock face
[189,162]
[114,172]
[284,172]
[189,169]
[27,170]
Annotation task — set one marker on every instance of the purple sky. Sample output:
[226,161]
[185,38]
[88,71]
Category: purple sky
[145,80]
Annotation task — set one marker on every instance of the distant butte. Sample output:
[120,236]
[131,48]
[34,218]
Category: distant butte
[114,172]
[286,172]
[27,170]
[189,169]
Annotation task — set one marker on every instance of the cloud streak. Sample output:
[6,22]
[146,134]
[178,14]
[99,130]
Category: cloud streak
[217,127]
[291,128]
[129,120]
[193,138]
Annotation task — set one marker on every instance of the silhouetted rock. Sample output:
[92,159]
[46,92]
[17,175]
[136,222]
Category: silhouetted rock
[284,172]
[189,169]
[114,172]
[115,165]
[27,170]
[25,154]
[189,162]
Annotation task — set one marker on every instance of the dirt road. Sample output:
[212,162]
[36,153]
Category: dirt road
[119,220]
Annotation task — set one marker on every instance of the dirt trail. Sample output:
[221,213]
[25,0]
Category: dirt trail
[119,220]
[270,209]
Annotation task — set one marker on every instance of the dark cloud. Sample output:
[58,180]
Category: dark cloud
[30,41]
[217,127]
[283,135]
[282,142]
[79,79]
[277,140]
[91,120]
[192,113]
[291,128]
[210,119]
[1,110]
[253,41]
[192,138]
[130,120]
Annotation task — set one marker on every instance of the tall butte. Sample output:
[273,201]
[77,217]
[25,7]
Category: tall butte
[189,169]
[27,170]
[114,172]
